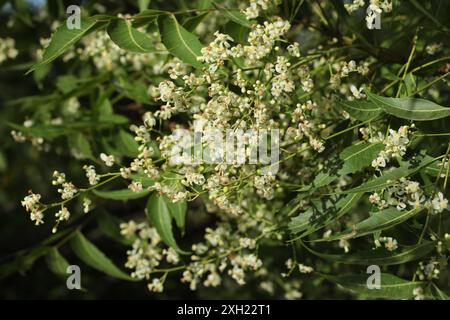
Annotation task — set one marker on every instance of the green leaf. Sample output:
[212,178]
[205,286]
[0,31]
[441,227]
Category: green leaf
[143,4]
[145,180]
[390,177]
[180,42]
[353,159]
[126,144]
[203,4]
[177,211]
[145,17]
[362,110]
[81,145]
[410,108]
[64,38]
[110,226]
[66,83]
[159,215]
[392,287]
[380,256]
[123,194]
[96,259]
[191,23]
[128,38]
[359,156]
[234,15]
[322,214]
[438,293]
[57,263]
[238,32]
[378,221]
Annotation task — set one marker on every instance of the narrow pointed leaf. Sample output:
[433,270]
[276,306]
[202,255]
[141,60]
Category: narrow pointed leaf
[316,218]
[381,220]
[93,257]
[159,215]
[380,256]
[390,177]
[362,110]
[410,108]
[56,263]
[392,287]
[63,39]
[128,38]
[177,211]
[234,15]
[180,42]
[353,159]
[124,194]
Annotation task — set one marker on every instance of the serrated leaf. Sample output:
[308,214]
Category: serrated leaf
[177,211]
[362,110]
[390,177]
[378,221]
[359,156]
[353,159]
[322,214]
[63,39]
[380,256]
[180,42]
[128,38]
[410,108]
[145,17]
[126,144]
[192,23]
[56,263]
[123,194]
[392,287]
[234,15]
[159,215]
[93,257]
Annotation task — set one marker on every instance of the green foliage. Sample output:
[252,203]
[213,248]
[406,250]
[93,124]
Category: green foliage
[364,147]
[93,257]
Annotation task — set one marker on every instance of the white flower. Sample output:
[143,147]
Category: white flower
[343,243]
[357,93]
[86,205]
[439,203]
[108,160]
[389,243]
[149,119]
[91,175]
[294,49]
[37,216]
[135,186]
[418,294]
[171,256]
[128,230]
[156,285]
[63,214]
[305,269]
[73,105]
